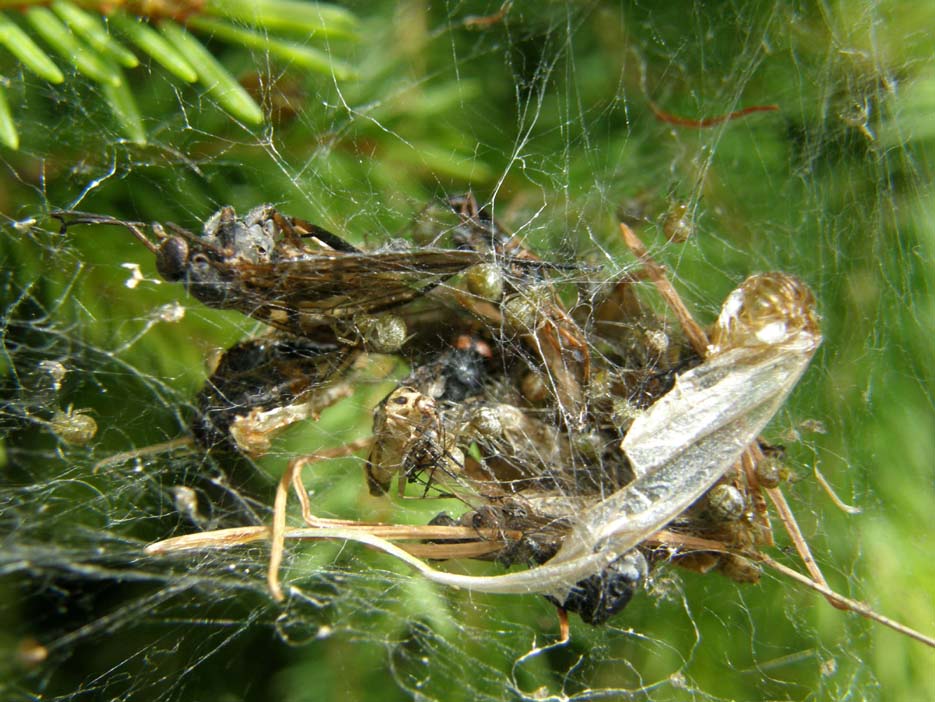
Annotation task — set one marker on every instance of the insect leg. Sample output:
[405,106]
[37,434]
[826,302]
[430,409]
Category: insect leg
[292,476]
[694,332]
[299,487]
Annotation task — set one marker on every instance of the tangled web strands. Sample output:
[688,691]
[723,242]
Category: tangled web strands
[560,120]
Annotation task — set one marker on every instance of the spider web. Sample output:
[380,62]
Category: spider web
[548,116]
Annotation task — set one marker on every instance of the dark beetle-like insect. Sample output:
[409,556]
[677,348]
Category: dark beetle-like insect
[261,385]
[600,596]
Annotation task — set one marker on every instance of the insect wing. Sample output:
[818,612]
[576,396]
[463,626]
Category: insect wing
[343,285]
[765,337]
[665,488]
[692,435]
[287,272]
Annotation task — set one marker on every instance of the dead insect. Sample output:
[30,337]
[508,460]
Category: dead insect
[409,437]
[288,273]
[421,426]
[598,597]
[264,384]
[683,444]
[328,298]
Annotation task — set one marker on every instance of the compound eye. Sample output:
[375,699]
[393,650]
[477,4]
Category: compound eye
[172,259]
[199,271]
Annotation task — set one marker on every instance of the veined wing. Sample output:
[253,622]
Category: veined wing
[316,288]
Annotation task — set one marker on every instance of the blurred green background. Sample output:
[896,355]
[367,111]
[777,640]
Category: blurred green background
[547,114]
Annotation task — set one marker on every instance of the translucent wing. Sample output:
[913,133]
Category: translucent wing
[309,288]
[688,440]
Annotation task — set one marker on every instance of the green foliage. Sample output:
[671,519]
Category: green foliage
[84,41]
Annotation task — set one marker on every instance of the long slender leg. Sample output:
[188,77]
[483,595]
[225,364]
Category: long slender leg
[657,273]
[295,477]
[292,476]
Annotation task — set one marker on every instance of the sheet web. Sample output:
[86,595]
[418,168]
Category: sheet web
[563,121]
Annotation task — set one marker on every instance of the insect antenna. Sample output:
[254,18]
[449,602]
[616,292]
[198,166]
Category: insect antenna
[70,217]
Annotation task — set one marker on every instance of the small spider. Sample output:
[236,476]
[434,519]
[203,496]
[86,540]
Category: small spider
[409,438]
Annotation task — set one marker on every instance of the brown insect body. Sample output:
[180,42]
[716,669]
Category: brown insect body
[288,273]
[296,276]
